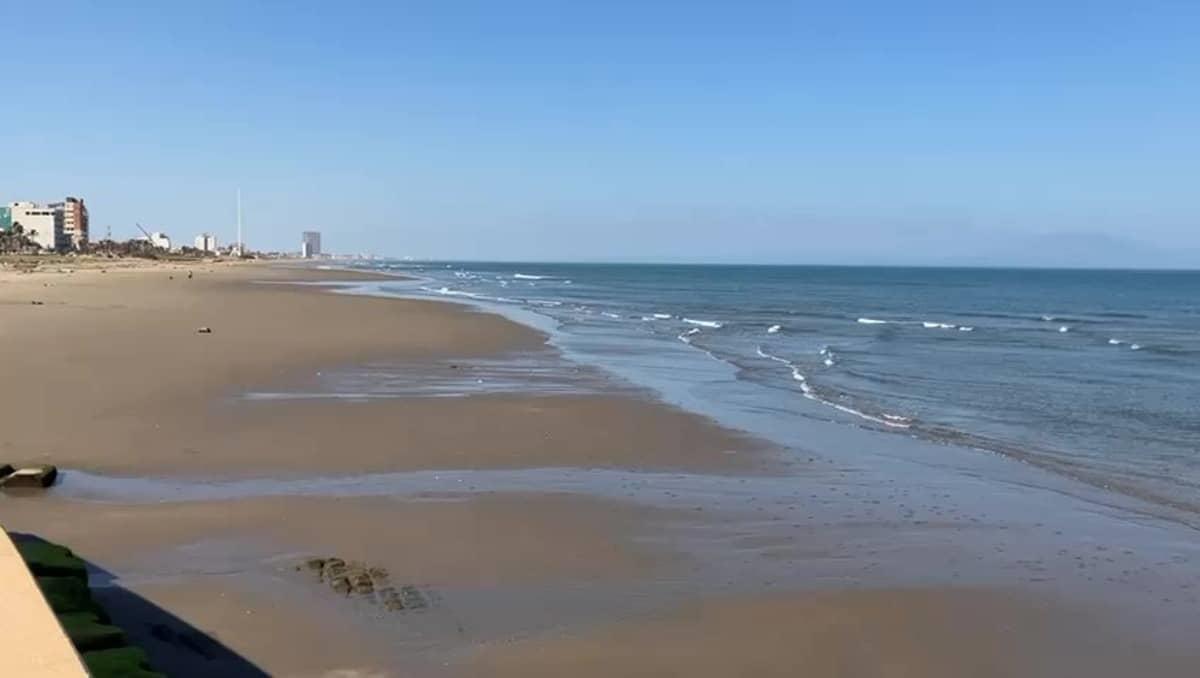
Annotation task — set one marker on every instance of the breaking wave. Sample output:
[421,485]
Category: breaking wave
[890,420]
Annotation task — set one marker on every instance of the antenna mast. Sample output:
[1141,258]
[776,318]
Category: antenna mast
[240,247]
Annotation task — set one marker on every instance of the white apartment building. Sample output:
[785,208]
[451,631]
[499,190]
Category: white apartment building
[42,224]
[160,240]
[206,242]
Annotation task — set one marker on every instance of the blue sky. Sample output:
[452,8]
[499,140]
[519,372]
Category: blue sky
[854,132]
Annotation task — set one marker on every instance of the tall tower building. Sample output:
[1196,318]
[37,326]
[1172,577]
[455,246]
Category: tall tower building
[75,222]
[310,244]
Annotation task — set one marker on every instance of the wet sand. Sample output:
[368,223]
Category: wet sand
[232,572]
[654,576]
[940,633]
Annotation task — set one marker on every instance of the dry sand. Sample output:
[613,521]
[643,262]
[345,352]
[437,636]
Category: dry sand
[113,376]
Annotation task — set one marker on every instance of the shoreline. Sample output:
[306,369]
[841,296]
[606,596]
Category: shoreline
[681,508]
[1056,474]
[478,284]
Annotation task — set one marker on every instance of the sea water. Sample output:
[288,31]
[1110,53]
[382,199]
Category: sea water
[1092,374]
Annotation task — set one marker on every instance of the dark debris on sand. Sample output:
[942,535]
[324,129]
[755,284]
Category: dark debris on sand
[355,579]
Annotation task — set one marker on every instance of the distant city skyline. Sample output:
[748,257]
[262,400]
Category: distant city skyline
[931,133]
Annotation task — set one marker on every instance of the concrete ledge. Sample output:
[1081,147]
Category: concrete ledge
[32,643]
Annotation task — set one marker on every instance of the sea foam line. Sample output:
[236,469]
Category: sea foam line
[712,324]
[892,420]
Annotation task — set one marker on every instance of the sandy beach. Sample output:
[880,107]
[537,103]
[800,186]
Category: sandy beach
[114,381]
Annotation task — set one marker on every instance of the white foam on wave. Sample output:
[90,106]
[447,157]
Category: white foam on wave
[797,375]
[891,420]
[1064,329]
[446,291]
[606,314]
[828,353]
[774,329]
[1115,342]
[713,324]
[526,276]
[686,337]
[1135,347]
[872,321]
[663,316]
[1049,318]
[966,328]
[937,326]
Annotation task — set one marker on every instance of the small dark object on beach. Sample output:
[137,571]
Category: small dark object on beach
[40,476]
[5,469]
[37,303]
[189,275]
[412,599]
[340,584]
[454,367]
[391,600]
[315,564]
[204,330]
[362,584]
[170,277]
[334,568]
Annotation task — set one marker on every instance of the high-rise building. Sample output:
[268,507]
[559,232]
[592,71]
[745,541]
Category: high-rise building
[310,244]
[42,224]
[206,242]
[75,221]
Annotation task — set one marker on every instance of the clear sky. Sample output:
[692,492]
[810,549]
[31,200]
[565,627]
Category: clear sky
[856,132]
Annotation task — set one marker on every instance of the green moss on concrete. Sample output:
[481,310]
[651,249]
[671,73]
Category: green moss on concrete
[62,576]
[51,560]
[124,662]
[88,633]
[67,594]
